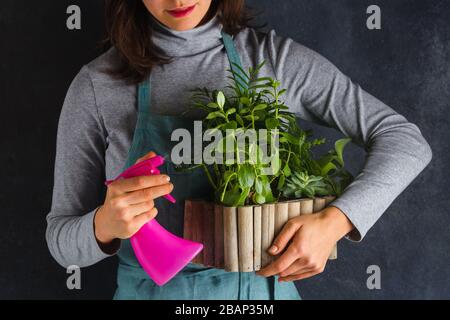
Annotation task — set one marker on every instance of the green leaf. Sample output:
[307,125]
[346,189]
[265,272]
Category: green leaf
[250,117]
[260,107]
[221,99]
[214,115]
[227,175]
[267,79]
[258,185]
[239,120]
[213,105]
[246,176]
[275,163]
[260,199]
[231,198]
[244,100]
[300,184]
[327,168]
[230,111]
[281,182]
[242,71]
[290,138]
[339,147]
[266,189]
[324,160]
[287,170]
[243,197]
[232,125]
[272,123]
[260,86]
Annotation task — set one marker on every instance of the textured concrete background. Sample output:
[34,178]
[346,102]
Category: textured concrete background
[406,65]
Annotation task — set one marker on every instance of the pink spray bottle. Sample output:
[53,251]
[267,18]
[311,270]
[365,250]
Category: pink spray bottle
[161,254]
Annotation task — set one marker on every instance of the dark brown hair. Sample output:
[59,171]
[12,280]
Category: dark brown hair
[128,30]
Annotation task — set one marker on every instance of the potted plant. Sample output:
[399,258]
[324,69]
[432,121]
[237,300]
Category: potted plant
[256,191]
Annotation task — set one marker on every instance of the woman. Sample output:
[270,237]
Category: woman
[121,101]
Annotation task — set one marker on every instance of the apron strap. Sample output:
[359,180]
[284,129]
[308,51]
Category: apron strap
[144,95]
[234,58]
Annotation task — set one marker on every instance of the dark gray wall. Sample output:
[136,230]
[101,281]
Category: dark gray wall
[405,65]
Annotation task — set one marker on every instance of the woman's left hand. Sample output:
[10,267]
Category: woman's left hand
[309,240]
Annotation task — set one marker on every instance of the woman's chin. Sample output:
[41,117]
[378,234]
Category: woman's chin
[182,25]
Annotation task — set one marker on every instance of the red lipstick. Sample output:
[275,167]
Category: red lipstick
[181,12]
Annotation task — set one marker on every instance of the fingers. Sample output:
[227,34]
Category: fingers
[145,217]
[299,266]
[160,191]
[149,155]
[143,195]
[138,209]
[301,276]
[128,213]
[281,264]
[286,234]
[302,266]
[139,183]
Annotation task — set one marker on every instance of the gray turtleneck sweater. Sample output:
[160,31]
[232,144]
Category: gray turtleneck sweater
[99,116]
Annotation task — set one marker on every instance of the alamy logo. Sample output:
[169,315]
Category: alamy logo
[232,146]
[74,280]
[374,280]
[374,20]
[74,20]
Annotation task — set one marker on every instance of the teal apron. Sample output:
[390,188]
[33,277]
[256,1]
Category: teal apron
[152,133]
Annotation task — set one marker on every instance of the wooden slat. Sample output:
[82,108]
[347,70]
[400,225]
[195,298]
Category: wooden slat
[230,239]
[267,231]
[197,226]
[319,204]
[187,228]
[245,239]
[294,209]
[271,228]
[218,237]
[281,216]
[306,206]
[208,234]
[257,215]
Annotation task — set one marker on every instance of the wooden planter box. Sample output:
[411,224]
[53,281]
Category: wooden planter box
[237,239]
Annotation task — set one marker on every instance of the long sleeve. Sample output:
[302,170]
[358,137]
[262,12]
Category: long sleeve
[396,150]
[79,172]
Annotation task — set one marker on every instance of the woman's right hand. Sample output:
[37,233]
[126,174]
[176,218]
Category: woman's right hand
[129,204]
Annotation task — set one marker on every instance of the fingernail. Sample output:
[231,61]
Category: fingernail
[273,249]
[167,178]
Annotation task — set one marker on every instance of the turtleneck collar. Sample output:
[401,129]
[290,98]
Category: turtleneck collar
[189,42]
